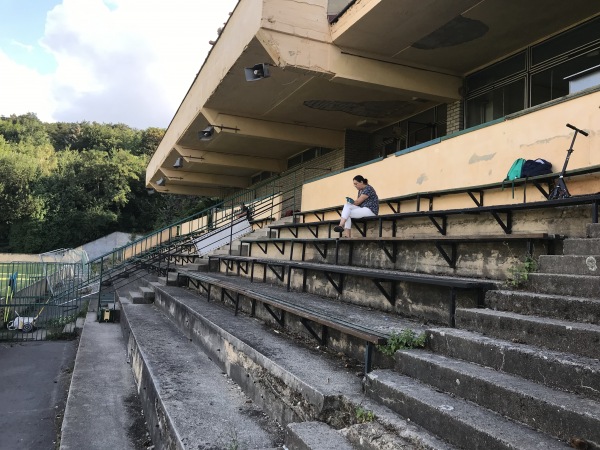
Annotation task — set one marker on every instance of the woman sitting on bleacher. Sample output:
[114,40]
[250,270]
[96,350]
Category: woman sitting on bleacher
[366,205]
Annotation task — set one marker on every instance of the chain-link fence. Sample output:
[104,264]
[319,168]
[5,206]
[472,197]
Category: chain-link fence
[42,300]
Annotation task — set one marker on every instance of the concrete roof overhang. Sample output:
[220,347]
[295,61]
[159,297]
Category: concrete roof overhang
[379,62]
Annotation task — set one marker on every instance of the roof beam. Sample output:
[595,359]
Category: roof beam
[231,160]
[191,190]
[207,178]
[301,134]
[327,60]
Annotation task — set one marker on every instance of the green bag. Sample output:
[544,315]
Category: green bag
[514,172]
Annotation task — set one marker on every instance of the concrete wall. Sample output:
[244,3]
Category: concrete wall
[107,243]
[18,257]
[479,156]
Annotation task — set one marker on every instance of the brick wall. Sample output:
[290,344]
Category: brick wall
[455,118]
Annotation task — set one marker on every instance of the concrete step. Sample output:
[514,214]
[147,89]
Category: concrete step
[201,265]
[458,421]
[593,230]
[581,246]
[137,298]
[187,400]
[260,234]
[577,309]
[236,251]
[517,398]
[558,370]
[170,280]
[147,293]
[314,436]
[291,379]
[558,284]
[560,335]
[569,264]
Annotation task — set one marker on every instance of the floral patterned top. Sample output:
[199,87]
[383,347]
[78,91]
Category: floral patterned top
[372,202]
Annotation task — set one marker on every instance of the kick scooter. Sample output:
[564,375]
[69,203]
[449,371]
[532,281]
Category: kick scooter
[560,189]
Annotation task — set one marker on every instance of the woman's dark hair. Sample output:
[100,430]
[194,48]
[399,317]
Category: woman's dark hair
[360,179]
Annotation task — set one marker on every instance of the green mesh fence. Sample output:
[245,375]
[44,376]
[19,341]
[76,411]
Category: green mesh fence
[42,300]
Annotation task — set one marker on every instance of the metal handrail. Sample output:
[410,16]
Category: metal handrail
[267,200]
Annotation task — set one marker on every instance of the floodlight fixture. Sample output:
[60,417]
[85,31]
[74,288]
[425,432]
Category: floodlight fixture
[179,162]
[257,72]
[208,133]
[161,182]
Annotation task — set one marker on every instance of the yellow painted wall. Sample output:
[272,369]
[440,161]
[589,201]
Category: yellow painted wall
[482,156]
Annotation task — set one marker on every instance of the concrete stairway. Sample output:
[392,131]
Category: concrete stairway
[521,373]
[187,354]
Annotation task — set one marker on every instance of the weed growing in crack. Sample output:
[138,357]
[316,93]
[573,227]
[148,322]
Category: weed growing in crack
[404,340]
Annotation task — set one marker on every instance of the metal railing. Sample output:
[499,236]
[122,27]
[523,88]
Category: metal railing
[42,300]
[154,252]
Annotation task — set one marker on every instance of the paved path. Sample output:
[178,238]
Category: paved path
[34,379]
[103,410]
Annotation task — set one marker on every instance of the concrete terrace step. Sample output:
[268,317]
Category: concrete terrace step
[560,335]
[169,280]
[569,264]
[522,400]
[147,293]
[293,382]
[593,230]
[582,246]
[136,297]
[564,371]
[573,285]
[313,436]
[461,423]
[578,309]
[188,401]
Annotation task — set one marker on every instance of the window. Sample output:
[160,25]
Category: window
[540,73]
[496,103]
[416,130]
[553,82]
[307,155]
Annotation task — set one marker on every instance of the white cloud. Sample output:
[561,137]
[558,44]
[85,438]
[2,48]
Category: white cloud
[23,90]
[26,47]
[129,61]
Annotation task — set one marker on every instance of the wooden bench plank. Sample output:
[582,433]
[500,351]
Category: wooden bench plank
[439,217]
[376,276]
[441,243]
[394,202]
[369,336]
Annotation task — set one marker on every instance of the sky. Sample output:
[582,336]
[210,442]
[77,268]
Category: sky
[106,61]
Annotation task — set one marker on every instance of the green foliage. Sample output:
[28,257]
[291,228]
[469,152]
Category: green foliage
[24,128]
[519,273]
[364,415]
[405,339]
[65,184]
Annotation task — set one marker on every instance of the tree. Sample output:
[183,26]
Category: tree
[24,128]
[20,166]
[150,141]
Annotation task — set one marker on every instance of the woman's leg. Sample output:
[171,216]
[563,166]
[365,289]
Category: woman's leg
[353,212]
[348,207]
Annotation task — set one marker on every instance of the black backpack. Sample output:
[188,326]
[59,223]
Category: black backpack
[534,167]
